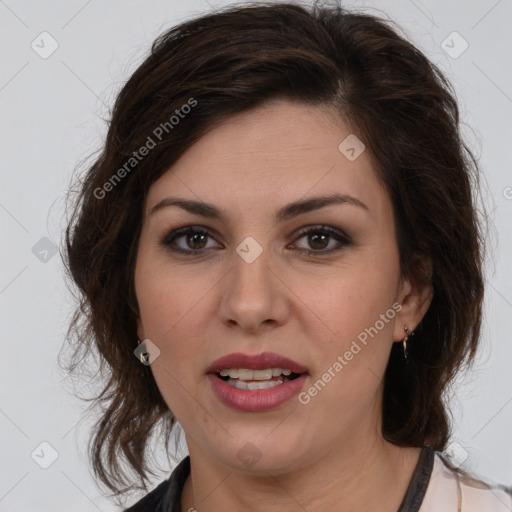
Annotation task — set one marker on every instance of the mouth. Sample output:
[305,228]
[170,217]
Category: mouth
[256,382]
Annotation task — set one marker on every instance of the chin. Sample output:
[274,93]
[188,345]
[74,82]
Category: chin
[262,454]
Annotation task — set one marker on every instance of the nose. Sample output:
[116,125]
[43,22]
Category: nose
[254,296]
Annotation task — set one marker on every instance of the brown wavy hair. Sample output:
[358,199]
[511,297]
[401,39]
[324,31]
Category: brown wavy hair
[232,60]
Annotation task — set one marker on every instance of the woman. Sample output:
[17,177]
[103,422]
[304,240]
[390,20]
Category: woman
[283,217]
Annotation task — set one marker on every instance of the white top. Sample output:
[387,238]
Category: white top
[449,492]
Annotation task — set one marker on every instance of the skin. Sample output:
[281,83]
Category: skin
[328,454]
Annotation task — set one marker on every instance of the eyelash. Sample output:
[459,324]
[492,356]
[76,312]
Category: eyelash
[171,237]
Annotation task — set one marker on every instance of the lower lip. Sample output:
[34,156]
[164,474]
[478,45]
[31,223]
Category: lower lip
[257,399]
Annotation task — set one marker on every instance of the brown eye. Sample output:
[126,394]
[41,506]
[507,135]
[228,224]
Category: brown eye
[195,240]
[319,238]
[318,241]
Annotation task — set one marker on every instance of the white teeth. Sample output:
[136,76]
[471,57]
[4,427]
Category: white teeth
[240,384]
[245,374]
[262,374]
[225,373]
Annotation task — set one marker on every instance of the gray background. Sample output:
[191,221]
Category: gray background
[52,110]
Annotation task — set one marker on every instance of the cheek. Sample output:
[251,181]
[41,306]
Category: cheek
[166,303]
[167,296]
[349,299]
[355,306]
[349,365]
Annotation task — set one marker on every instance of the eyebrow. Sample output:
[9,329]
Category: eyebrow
[284,213]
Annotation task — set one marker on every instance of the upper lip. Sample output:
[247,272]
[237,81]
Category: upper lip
[255,362]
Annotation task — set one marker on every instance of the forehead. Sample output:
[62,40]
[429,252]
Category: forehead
[261,159]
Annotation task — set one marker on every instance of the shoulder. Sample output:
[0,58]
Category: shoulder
[483,496]
[449,490]
[153,501]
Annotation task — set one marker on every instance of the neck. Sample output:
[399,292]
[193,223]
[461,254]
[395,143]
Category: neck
[360,475]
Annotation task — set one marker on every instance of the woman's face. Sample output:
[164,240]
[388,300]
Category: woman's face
[249,286]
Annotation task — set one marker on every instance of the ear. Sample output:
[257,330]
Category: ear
[415,296]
